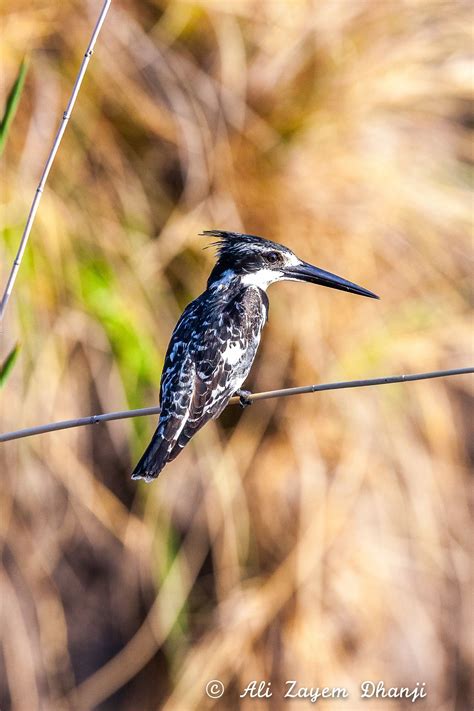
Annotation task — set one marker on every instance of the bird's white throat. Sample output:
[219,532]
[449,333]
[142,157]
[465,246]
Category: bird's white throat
[261,278]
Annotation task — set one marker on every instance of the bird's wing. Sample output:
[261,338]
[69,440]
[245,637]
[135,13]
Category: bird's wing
[222,354]
[210,396]
[210,353]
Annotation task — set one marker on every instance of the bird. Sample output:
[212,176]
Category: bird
[215,341]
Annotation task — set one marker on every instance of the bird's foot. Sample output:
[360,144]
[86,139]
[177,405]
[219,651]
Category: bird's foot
[244,398]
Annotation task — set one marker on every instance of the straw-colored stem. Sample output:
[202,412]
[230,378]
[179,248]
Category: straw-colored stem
[125,414]
[49,162]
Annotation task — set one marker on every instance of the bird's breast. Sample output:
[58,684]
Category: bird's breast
[255,303]
[249,314]
[234,352]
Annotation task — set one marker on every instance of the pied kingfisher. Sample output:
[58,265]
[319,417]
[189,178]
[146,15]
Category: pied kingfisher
[215,341]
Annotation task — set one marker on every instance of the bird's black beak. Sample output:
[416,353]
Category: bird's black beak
[314,275]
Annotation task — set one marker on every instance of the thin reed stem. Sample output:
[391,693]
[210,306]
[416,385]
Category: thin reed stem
[49,162]
[125,414]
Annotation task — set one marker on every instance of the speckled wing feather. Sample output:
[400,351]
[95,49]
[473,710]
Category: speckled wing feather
[209,356]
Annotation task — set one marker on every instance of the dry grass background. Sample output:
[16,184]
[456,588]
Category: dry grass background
[321,538]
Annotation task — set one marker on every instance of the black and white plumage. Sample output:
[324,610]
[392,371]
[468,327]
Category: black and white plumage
[215,341]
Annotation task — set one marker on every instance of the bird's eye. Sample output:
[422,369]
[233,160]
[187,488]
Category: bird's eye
[273,257]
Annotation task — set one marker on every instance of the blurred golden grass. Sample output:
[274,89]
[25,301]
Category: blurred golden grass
[324,538]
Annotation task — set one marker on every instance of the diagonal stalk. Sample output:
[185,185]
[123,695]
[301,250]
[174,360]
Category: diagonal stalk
[125,414]
[49,162]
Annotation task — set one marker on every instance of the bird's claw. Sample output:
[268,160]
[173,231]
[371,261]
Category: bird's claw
[244,398]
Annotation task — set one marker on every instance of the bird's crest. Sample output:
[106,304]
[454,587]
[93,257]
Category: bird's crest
[239,254]
[235,243]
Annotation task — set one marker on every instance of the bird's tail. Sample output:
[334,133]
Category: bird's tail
[154,458]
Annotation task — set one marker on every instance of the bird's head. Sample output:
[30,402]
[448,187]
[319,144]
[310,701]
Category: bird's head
[260,262]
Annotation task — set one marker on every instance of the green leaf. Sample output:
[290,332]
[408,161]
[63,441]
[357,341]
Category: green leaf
[12,104]
[8,364]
